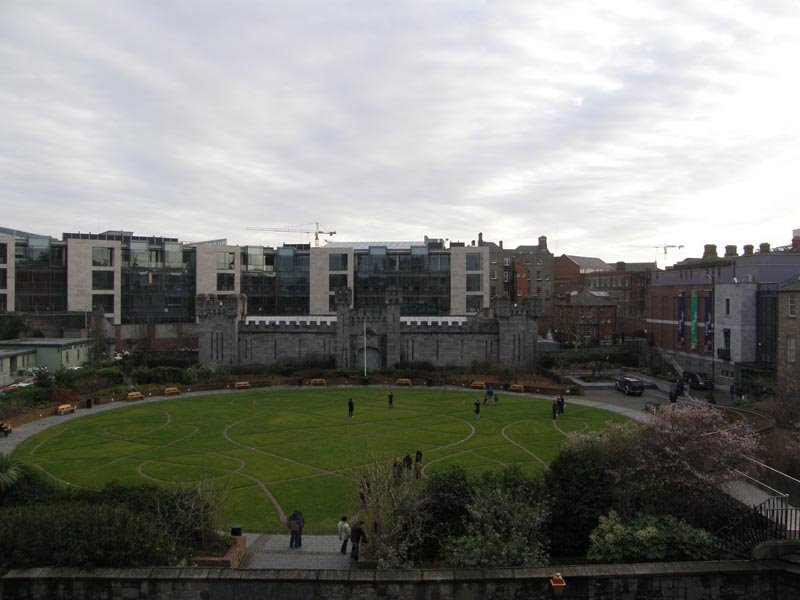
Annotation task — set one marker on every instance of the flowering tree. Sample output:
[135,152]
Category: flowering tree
[671,463]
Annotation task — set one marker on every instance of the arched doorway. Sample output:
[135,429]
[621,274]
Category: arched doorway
[373,358]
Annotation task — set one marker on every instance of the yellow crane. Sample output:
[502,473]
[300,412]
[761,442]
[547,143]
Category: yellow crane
[316,231]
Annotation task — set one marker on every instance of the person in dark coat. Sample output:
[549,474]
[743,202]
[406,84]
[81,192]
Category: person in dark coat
[408,464]
[350,407]
[390,398]
[293,523]
[560,404]
[357,537]
[477,410]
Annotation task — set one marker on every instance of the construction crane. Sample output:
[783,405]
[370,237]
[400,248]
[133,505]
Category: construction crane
[316,231]
[667,246]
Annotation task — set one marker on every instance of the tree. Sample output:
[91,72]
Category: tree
[10,473]
[394,515]
[673,462]
[506,525]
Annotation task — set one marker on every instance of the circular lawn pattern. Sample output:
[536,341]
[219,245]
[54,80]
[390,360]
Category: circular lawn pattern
[267,452]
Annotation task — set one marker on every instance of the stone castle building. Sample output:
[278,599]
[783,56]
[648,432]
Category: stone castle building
[375,337]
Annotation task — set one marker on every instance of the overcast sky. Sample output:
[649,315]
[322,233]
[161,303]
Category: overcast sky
[611,130]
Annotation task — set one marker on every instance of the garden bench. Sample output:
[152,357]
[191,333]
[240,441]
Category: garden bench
[64,409]
[135,395]
[5,428]
[517,387]
[318,381]
[171,391]
[241,385]
[477,385]
[403,381]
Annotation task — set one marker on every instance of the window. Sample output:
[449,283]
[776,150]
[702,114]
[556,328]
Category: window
[474,283]
[102,280]
[337,262]
[792,305]
[337,281]
[538,275]
[225,261]
[791,350]
[225,282]
[473,261]
[506,276]
[494,274]
[104,301]
[474,303]
[3,254]
[506,262]
[102,257]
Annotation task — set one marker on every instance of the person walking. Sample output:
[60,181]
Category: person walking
[293,523]
[357,537]
[560,403]
[300,530]
[477,410]
[343,527]
[490,394]
[390,398]
[350,407]
[408,464]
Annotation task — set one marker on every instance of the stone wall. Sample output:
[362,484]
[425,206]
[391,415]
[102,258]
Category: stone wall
[731,580]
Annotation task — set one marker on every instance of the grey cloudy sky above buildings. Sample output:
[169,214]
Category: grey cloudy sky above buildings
[610,128]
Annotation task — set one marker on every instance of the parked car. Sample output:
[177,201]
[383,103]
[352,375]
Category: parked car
[698,381]
[630,386]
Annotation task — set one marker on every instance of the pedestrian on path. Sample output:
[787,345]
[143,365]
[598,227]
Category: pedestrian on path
[293,523]
[343,527]
[350,407]
[390,398]
[560,403]
[357,537]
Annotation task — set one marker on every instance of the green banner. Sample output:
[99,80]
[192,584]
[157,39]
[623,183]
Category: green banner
[693,316]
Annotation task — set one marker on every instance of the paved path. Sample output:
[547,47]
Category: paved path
[266,551]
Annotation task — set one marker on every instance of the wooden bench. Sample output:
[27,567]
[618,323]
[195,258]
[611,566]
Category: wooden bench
[135,395]
[477,385]
[241,385]
[171,391]
[318,381]
[64,409]
[5,428]
[516,387]
[403,381]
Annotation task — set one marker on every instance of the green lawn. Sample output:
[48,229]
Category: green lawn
[298,448]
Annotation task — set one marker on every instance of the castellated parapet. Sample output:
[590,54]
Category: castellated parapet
[376,335]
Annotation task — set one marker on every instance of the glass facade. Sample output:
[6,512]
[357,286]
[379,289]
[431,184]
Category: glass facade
[158,281]
[40,281]
[102,280]
[423,278]
[276,282]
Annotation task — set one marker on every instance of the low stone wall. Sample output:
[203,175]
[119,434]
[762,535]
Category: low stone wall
[731,580]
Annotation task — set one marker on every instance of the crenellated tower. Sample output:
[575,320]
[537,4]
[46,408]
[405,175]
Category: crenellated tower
[218,327]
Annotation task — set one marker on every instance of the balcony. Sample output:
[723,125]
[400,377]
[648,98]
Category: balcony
[724,353]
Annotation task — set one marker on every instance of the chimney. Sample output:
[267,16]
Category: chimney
[796,239]
[500,243]
[763,248]
[620,265]
[748,250]
[543,241]
[710,251]
[480,239]
[730,251]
